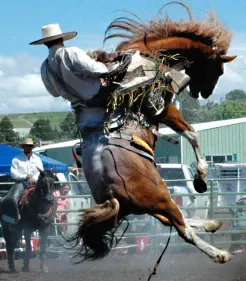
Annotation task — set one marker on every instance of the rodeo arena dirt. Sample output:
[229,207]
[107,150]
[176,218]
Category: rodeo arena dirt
[188,265]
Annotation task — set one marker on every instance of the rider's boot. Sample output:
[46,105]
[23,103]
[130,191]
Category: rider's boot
[9,204]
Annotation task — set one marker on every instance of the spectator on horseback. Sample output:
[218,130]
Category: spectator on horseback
[24,168]
[70,73]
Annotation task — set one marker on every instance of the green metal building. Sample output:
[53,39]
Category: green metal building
[220,141]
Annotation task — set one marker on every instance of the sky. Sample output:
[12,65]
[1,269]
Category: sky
[21,88]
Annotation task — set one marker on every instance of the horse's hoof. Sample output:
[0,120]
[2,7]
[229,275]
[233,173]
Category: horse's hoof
[12,270]
[44,269]
[11,267]
[200,184]
[25,269]
[223,257]
[212,225]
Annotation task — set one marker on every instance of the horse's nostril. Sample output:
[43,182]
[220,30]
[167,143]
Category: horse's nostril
[194,94]
[206,94]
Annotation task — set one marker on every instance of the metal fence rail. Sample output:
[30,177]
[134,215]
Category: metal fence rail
[157,238]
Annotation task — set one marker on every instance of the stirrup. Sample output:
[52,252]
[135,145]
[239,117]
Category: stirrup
[179,80]
[8,219]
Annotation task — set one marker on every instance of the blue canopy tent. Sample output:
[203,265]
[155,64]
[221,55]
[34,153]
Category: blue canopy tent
[7,153]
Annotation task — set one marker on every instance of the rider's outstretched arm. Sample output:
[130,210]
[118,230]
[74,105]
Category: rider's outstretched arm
[82,64]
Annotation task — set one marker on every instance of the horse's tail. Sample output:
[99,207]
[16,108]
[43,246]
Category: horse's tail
[96,230]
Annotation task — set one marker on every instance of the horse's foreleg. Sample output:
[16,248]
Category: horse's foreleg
[10,236]
[200,182]
[27,256]
[197,224]
[173,119]
[43,240]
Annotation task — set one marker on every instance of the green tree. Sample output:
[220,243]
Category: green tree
[236,95]
[7,133]
[68,126]
[231,109]
[2,137]
[42,129]
[208,111]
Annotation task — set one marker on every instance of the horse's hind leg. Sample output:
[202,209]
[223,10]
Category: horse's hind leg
[174,215]
[207,225]
[199,224]
[27,256]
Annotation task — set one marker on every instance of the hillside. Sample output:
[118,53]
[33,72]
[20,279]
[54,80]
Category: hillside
[26,120]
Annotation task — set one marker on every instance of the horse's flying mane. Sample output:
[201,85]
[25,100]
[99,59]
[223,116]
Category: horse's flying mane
[209,31]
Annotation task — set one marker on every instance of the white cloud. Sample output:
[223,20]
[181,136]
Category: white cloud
[234,76]
[21,88]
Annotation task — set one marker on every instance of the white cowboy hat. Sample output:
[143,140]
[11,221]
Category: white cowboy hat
[52,32]
[27,141]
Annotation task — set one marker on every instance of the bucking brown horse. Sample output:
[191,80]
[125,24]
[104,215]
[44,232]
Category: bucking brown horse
[203,44]
[119,166]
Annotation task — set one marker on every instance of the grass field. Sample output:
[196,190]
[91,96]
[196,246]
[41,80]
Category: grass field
[26,120]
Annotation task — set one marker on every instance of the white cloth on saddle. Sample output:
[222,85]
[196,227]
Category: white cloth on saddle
[81,73]
[22,166]
[149,71]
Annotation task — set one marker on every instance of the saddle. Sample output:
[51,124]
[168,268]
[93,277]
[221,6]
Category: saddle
[25,196]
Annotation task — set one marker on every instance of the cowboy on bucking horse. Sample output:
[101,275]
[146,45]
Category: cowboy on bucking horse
[70,73]
[119,106]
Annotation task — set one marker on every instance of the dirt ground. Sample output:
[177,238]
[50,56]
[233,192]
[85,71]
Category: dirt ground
[183,266]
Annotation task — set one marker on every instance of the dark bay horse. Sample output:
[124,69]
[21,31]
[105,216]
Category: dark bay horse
[204,44]
[36,213]
[119,165]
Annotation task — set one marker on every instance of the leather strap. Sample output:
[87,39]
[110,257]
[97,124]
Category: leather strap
[113,141]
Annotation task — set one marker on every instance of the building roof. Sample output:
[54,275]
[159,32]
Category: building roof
[56,145]
[166,131]
[206,126]
[169,165]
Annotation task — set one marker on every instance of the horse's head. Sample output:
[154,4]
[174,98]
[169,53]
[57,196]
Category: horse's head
[45,183]
[205,75]
[203,43]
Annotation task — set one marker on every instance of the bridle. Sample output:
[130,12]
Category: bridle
[40,217]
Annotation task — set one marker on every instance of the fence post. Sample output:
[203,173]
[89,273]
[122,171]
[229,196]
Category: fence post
[154,243]
[211,199]
[211,206]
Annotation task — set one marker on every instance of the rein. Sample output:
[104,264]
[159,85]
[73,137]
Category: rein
[40,217]
[160,257]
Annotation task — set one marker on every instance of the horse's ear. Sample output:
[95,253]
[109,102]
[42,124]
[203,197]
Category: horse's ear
[41,171]
[226,59]
[53,169]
